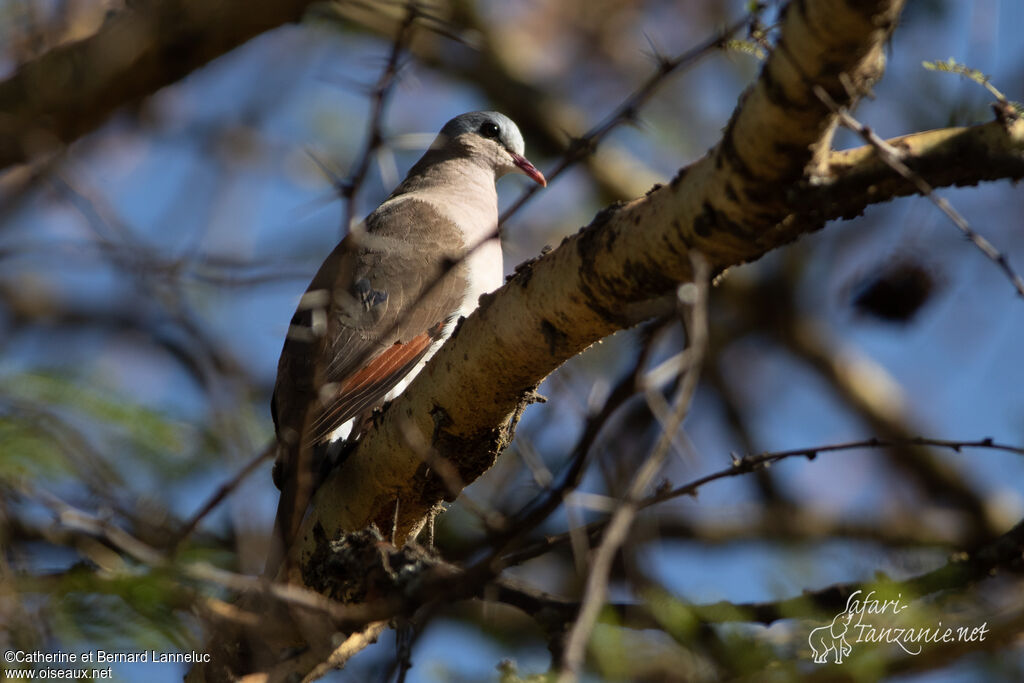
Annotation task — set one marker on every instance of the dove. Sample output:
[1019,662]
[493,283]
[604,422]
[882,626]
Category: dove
[387,297]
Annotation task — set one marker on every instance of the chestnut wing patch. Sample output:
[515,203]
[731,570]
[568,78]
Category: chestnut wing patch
[368,386]
[374,309]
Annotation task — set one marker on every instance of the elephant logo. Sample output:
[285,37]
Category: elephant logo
[832,638]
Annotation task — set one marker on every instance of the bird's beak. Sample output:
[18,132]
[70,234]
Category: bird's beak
[529,169]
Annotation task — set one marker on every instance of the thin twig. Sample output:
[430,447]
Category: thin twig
[404,637]
[378,98]
[751,463]
[629,108]
[891,156]
[226,489]
[351,646]
[536,511]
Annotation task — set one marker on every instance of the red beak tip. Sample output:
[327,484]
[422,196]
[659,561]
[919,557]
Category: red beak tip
[529,170]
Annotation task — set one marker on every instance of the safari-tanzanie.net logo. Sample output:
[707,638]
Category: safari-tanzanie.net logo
[869,619]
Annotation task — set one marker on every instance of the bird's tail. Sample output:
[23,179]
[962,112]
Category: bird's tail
[294,475]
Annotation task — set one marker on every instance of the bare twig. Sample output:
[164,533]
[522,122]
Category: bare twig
[378,103]
[628,109]
[352,645]
[226,489]
[752,463]
[404,640]
[893,158]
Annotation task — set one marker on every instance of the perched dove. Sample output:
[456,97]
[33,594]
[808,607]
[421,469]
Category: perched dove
[387,297]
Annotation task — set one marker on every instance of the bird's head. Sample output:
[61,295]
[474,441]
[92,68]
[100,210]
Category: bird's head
[492,138]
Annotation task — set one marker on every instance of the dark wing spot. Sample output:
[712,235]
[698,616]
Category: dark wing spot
[367,295]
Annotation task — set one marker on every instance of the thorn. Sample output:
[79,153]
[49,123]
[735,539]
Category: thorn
[660,58]
[534,397]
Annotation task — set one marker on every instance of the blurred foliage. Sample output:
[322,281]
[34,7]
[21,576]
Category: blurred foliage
[122,612]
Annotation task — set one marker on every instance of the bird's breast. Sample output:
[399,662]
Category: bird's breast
[475,216]
[485,271]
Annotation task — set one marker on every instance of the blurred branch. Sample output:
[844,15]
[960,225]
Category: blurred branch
[546,119]
[421,580]
[556,614]
[1003,555]
[204,357]
[378,102]
[628,110]
[859,383]
[425,580]
[751,463]
[694,300]
[197,354]
[55,98]
[349,648]
[738,422]
[80,523]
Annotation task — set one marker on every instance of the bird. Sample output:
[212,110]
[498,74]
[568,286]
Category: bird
[386,298]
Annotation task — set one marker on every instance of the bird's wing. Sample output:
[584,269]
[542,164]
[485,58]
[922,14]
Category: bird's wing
[377,305]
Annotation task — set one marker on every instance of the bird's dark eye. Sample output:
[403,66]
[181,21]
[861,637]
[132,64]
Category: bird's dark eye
[489,129]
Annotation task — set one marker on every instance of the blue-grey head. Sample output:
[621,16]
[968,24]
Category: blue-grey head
[492,137]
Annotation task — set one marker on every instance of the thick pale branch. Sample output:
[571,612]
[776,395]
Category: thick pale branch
[729,205]
[72,89]
[855,178]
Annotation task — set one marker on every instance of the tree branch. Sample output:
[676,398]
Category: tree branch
[73,88]
[856,178]
[730,206]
